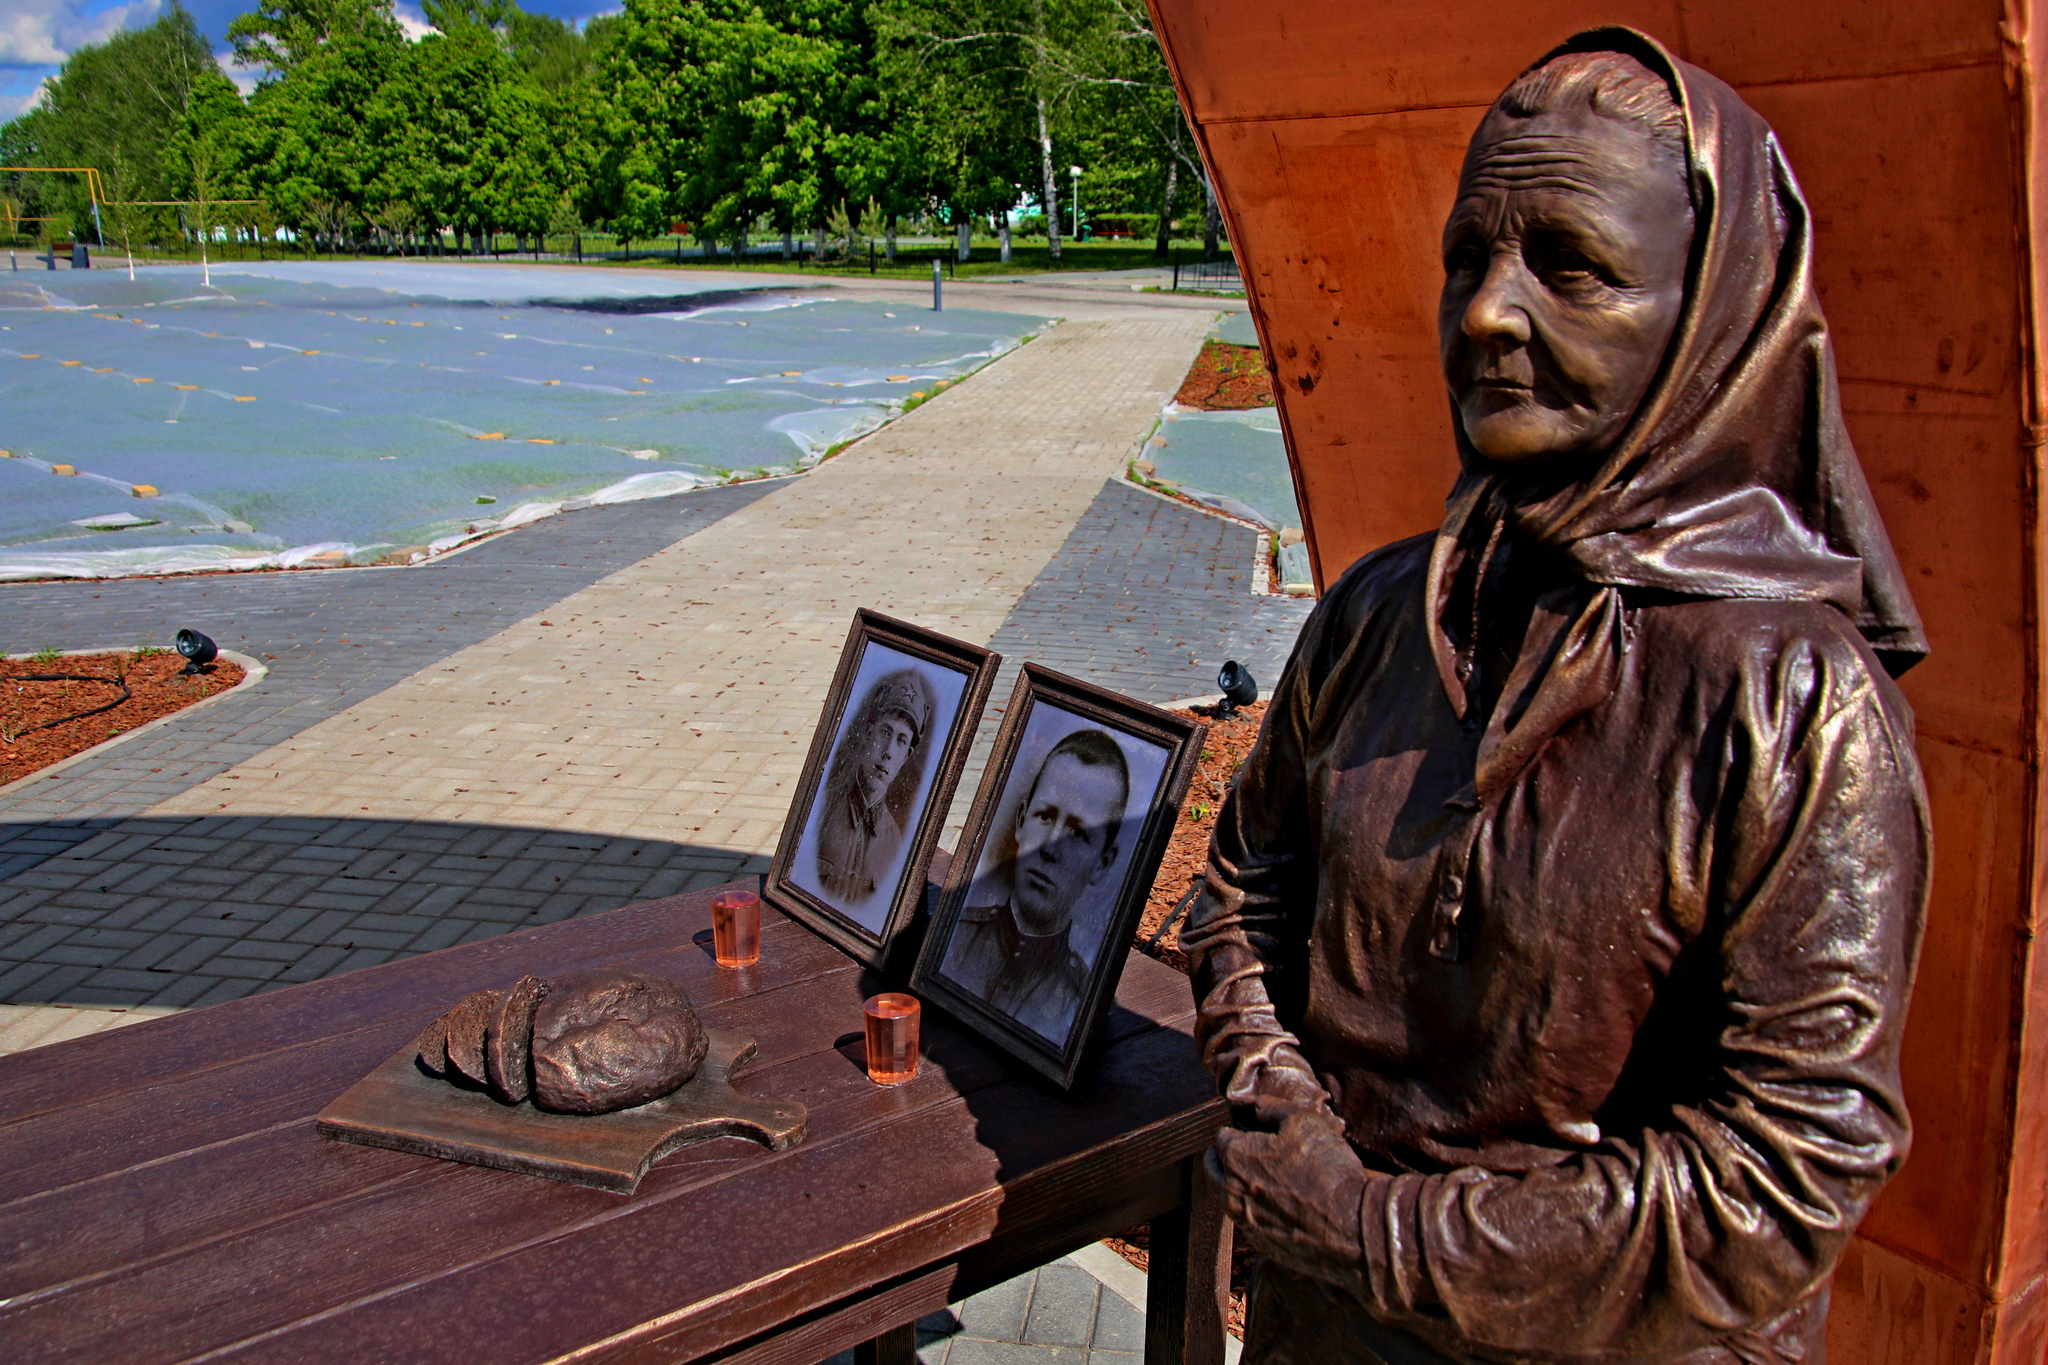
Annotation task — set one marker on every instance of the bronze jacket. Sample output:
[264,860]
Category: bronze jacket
[1619,1044]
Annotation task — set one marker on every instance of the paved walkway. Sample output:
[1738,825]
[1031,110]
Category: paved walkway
[330,639]
[630,700]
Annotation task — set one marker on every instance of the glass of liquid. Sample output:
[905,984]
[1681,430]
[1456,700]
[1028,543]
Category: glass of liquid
[892,1037]
[736,928]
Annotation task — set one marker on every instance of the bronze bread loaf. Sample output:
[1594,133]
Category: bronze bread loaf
[586,1043]
[606,1040]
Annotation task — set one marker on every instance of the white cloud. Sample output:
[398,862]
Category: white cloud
[412,20]
[16,101]
[244,77]
[45,32]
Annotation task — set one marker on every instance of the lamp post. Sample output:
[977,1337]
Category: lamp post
[1075,198]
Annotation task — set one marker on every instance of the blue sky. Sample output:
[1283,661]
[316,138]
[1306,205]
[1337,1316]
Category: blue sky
[37,35]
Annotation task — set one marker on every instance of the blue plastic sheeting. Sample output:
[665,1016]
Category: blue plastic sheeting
[343,413]
[1235,462]
[1237,329]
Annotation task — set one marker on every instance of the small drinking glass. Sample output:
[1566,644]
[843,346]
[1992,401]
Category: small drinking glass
[892,1037]
[736,928]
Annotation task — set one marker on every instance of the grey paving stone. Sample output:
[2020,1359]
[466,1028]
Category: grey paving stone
[1145,596]
[1062,1306]
[997,1314]
[974,1351]
[1118,1326]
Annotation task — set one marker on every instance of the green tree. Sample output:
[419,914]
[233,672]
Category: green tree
[724,112]
[122,100]
[459,134]
[305,137]
[280,34]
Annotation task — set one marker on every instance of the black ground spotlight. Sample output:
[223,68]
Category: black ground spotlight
[198,650]
[1239,688]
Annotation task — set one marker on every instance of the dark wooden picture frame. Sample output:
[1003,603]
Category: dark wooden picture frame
[866,927]
[1050,717]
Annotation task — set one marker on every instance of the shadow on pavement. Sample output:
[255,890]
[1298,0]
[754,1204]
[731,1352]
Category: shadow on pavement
[191,910]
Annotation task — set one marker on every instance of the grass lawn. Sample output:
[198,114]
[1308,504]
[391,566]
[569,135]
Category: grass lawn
[914,258]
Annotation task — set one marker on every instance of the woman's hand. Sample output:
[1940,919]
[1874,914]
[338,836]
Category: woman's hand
[1295,1190]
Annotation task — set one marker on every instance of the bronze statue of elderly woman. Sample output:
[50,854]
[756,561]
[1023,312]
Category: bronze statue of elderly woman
[1556,942]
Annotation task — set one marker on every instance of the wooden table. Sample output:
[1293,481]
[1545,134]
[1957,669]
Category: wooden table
[163,1195]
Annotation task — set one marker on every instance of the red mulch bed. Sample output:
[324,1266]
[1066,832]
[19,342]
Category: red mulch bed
[1228,742]
[155,689]
[1223,753]
[1226,378]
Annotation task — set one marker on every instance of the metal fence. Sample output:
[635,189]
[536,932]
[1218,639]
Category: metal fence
[1220,275]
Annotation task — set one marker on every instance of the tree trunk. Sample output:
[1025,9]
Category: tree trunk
[788,244]
[818,245]
[1212,220]
[1163,240]
[1003,234]
[739,246]
[964,239]
[1052,182]
[889,238]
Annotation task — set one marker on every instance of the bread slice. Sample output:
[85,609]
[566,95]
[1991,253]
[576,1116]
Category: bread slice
[508,1043]
[466,1025]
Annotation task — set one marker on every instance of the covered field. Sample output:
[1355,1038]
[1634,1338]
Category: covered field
[359,413]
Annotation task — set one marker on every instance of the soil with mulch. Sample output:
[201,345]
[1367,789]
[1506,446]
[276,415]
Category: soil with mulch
[1226,378]
[30,701]
[1224,750]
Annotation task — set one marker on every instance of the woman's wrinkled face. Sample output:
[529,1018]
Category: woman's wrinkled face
[1564,273]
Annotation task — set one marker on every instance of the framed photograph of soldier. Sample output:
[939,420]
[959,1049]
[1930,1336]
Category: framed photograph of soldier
[879,779]
[1054,865]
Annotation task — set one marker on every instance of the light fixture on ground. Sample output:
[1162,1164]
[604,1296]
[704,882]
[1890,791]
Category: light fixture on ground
[199,651]
[1239,688]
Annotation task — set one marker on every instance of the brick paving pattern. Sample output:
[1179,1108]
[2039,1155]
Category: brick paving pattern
[1149,597]
[330,639]
[1058,1314]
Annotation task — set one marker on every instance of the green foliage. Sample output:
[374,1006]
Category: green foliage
[718,113]
[280,34]
[117,104]
[734,117]
[48,654]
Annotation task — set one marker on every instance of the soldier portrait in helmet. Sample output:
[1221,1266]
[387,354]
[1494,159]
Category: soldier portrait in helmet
[881,772]
[870,784]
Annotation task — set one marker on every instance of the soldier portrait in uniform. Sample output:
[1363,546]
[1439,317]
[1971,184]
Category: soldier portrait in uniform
[881,773]
[1015,949]
[1062,851]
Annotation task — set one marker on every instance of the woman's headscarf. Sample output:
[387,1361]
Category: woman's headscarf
[1735,478]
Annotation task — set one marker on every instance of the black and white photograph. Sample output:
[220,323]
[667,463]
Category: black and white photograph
[1056,859]
[882,770]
